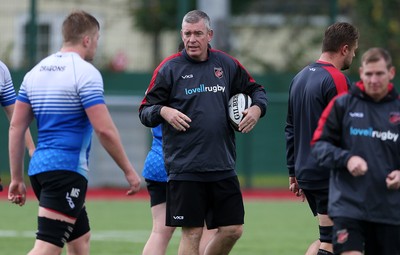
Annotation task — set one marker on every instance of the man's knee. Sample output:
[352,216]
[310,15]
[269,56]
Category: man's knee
[79,246]
[193,233]
[324,220]
[233,232]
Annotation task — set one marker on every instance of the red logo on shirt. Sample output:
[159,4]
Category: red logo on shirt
[342,236]
[218,72]
[394,118]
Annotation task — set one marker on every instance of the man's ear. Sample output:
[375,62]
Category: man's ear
[392,72]
[210,35]
[86,41]
[344,49]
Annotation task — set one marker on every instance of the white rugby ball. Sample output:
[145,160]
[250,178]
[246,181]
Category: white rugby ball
[236,105]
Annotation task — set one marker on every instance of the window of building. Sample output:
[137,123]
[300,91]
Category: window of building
[48,38]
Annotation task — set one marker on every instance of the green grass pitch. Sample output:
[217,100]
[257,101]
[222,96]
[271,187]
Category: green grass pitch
[123,226]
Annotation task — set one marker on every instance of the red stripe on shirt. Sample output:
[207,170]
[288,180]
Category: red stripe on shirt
[338,78]
[322,121]
[153,78]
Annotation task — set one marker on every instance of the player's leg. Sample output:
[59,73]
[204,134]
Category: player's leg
[79,241]
[61,196]
[318,202]
[224,240]
[44,248]
[313,248]
[206,237]
[348,236]
[325,233]
[53,231]
[160,234]
[226,214]
[79,246]
[190,240]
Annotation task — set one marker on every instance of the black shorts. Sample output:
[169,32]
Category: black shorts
[373,238]
[317,200]
[191,203]
[157,192]
[61,191]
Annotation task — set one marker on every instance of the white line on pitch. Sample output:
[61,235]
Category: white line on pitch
[135,236]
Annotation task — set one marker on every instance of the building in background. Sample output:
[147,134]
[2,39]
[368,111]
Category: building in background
[268,36]
[257,32]
[118,35]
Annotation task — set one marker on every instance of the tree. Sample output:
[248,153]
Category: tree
[378,23]
[155,16]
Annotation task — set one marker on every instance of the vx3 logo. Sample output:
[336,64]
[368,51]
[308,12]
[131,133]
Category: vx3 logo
[356,114]
[187,76]
[178,217]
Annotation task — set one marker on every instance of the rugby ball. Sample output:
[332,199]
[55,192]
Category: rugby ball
[236,105]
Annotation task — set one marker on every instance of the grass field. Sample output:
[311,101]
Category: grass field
[254,181]
[123,226]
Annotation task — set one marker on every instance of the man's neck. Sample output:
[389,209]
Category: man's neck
[77,50]
[331,58]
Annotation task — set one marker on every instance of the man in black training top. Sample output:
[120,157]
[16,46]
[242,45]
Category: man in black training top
[189,94]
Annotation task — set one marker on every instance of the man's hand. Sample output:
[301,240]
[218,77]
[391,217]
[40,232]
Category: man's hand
[134,181]
[17,192]
[294,188]
[175,118]
[357,166]
[251,117]
[393,180]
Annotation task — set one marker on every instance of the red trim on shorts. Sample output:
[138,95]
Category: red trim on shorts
[57,212]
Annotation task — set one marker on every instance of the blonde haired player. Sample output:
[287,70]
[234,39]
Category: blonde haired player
[64,93]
